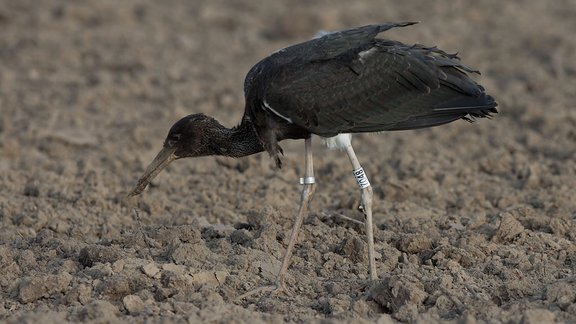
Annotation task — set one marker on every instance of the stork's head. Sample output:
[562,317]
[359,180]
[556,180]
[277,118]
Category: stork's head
[191,136]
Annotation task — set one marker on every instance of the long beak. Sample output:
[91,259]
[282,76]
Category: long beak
[164,157]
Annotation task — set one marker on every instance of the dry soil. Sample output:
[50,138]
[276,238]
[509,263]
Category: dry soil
[474,222]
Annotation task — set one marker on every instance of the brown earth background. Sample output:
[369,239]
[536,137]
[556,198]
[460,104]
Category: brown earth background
[475,222]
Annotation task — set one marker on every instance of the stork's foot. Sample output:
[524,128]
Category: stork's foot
[366,290]
[272,290]
[259,290]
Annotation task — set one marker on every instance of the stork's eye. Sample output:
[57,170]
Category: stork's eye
[172,140]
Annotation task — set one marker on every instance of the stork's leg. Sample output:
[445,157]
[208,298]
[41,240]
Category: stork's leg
[307,193]
[308,183]
[367,194]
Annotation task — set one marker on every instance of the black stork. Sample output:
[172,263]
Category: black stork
[332,86]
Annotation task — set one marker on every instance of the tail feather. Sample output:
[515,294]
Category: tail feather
[467,108]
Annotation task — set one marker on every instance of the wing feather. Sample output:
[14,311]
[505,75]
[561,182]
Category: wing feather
[393,87]
[323,48]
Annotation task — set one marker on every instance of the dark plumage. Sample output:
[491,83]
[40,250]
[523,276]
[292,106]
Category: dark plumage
[351,82]
[343,82]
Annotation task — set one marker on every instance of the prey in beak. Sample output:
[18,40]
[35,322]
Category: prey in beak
[164,157]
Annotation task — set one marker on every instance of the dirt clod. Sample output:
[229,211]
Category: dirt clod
[353,248]
[133,304]
[93,254]
[35,288]
[403,295]
[415,243]
[509,229]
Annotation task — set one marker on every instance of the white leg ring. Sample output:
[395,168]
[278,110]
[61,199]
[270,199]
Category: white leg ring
[307,180]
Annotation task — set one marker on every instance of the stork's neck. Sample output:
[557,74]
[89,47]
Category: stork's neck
[240,141]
